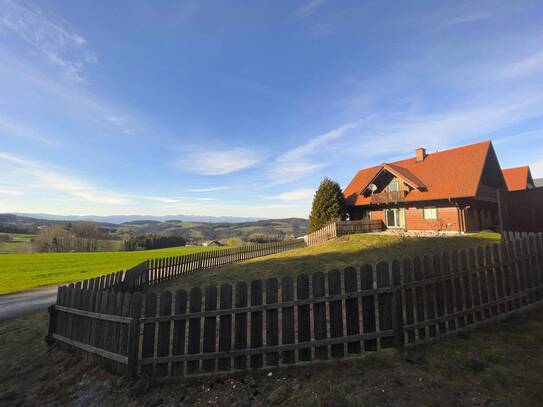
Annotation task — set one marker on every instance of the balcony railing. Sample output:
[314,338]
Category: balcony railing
[388,197]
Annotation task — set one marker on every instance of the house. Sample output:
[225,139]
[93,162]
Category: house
[518,178]
[454,190]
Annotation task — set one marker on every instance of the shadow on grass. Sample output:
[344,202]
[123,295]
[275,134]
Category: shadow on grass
[350,251]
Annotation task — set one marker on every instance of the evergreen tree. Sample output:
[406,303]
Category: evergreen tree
[328,205]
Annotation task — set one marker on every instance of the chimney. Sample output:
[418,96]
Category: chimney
[421,154]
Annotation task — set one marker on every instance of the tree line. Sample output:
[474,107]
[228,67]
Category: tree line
[148,242]
[69,237]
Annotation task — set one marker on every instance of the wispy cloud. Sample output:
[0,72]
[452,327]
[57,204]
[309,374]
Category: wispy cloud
[217,162]
[469,18]
[116,120]
[530,64]
[48,35]
[309,8]
[10,128]
[304,194]
[210,189]
[306,158]
[43,176]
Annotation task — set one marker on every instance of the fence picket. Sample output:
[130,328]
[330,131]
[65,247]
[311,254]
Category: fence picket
[350,282]
[368,307]
[319,314]
[384,303]
[179,327]
[163,340]
[149,328]
[256,323]
[272,321]
[304,317]
[195,306]
[287,318]
[210,328]
[225,326]
[240,329]
[336,313]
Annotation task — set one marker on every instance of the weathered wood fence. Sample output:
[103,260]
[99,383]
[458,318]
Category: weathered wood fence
[342,228]
[153,271]
[302,319]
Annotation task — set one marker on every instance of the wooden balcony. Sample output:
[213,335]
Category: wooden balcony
[388,197]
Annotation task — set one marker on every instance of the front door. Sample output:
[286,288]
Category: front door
[395,218]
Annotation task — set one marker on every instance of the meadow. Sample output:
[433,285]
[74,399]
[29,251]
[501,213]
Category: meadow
[19,243]
[23,271]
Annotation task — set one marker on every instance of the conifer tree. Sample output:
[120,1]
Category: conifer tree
[328,205]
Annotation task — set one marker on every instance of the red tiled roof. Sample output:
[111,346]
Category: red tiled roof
[446,174]
[517,178]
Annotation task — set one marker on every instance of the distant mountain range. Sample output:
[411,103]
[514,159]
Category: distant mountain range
[118,219]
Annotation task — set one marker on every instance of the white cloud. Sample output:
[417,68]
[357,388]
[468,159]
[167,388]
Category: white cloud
[11,192]
[306,158]
[61,46]
[305,194]
[210,189]
[43,176]
[218,162]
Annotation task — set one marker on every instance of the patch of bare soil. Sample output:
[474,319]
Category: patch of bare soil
[499,365]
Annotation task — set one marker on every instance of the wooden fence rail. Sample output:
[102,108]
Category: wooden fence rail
[310,317]
[342,228]
[153,271]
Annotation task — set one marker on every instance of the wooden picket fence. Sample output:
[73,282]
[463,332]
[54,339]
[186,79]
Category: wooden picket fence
[153,271]
[307,318]
[343,228]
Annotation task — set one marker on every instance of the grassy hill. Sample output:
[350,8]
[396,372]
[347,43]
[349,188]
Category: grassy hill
[192,231]
[23,271]
[353,250]
[273,228]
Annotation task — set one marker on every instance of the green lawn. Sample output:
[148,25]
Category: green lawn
[353,250]
[22,271]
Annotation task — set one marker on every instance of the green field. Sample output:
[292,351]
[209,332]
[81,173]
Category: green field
[18,243]
[353,250]
[22,271]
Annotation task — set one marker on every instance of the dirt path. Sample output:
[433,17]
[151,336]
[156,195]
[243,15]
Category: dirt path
[12,305]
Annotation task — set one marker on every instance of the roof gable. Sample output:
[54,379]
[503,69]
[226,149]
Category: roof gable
[518,178]
[454,173]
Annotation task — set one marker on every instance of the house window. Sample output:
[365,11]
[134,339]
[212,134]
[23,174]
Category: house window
[429,213]
[395,218]
[394,186]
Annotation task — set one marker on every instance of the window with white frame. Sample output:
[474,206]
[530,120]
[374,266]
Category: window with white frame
[429,213]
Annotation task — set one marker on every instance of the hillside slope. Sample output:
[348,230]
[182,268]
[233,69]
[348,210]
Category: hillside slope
[353,250]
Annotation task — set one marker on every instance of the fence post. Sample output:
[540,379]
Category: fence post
[397,305]
[52,323]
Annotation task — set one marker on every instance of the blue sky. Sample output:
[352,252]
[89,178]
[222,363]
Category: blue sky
[155,108]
